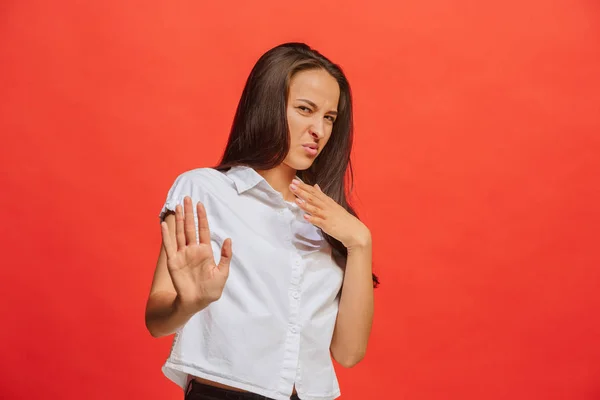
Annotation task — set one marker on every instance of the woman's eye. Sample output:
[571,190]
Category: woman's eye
[332,119]
[305,109]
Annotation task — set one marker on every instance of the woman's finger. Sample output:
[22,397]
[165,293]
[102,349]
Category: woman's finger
[190,223]
[309,208]
[319,193]
[308,194]
[167,241]
[315,220]
[225,260]
[203,228]
[179,233]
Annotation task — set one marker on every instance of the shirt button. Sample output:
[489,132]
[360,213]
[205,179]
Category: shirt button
[293,330]
[295,295]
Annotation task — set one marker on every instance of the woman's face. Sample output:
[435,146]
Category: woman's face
[311,112]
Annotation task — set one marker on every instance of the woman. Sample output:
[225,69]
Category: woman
[264,321]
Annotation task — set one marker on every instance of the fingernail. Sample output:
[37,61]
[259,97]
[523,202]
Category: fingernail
[295,181]
[293,187]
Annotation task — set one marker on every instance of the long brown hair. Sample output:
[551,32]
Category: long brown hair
[259,136]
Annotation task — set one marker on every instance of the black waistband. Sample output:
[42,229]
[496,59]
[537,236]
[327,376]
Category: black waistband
[196,389]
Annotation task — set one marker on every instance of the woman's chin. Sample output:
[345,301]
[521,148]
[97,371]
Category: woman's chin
[301,165]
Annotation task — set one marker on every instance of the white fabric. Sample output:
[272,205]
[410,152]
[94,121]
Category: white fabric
[272,326]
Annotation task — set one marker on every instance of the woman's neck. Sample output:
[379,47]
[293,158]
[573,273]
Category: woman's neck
[280,179]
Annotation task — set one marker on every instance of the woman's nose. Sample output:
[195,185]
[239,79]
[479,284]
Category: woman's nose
[317,130]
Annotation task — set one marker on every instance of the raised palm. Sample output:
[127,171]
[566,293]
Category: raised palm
[196,277]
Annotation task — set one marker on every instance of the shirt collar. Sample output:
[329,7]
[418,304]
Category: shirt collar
[245,177]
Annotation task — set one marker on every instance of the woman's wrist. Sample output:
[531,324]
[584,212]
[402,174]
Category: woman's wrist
[187,309]
[360,241]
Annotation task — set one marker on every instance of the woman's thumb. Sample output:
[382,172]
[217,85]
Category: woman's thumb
[226,254]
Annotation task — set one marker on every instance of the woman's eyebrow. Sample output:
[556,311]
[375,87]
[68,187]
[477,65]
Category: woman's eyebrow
[312,104]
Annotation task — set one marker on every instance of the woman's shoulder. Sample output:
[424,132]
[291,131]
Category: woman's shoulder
[203,174]
[204,179]
[199,184]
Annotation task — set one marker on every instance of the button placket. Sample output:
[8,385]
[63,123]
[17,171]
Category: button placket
[292,341]
[295,292]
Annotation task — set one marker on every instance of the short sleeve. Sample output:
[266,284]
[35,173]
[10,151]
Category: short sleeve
[186,184]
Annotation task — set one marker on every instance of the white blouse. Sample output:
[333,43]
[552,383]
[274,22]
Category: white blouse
[273,325]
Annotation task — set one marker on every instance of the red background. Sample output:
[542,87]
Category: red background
[477,163]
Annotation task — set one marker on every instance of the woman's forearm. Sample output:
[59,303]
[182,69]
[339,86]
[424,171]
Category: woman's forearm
[355,314]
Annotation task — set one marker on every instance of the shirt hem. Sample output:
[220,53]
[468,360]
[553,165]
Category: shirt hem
[324,397]
[171,366]
[170,369]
